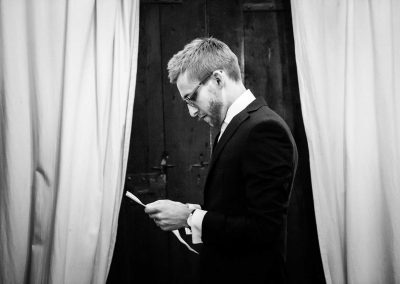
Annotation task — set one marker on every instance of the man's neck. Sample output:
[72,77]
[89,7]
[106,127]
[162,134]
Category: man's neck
[234,92]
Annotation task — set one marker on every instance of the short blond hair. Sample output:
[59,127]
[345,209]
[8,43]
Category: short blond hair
[203,56]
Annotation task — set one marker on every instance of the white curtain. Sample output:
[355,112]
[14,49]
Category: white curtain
[348,60]
[67,81]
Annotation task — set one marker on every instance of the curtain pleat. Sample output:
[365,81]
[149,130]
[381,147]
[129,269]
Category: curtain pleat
[67,82]
[348,61]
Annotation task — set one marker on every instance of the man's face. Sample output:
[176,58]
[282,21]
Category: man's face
[205,102]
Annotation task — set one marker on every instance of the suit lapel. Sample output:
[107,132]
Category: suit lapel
[232,127]
[226,136]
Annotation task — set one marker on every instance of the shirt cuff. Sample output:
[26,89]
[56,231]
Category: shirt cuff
[196,222]
[193,206]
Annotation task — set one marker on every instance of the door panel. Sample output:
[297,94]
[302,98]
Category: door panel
[185,139]
[148,138]
[169,151]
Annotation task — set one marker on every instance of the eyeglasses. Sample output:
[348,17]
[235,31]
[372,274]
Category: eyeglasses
[191,97]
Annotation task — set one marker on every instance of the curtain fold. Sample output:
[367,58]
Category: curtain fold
[67,82]
[348,61]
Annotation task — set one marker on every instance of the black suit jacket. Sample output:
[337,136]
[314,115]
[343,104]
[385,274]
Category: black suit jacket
[246,195]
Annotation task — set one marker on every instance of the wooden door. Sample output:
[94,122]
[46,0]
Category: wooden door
[169,151]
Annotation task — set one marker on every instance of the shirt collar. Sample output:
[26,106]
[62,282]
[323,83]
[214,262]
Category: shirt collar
[238,105]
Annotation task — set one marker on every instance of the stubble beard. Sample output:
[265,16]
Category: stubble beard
[215,113]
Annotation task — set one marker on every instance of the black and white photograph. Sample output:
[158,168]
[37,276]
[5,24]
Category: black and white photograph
[200,141]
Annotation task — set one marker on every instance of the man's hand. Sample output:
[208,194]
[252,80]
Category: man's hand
[168,215]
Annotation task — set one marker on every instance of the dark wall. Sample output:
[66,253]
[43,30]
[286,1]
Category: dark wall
[169,151]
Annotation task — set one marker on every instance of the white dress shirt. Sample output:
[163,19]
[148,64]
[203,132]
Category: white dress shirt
[196,219]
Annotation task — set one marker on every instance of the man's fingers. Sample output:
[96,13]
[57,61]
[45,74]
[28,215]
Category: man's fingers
[162,225]
[151,208]
[155,216]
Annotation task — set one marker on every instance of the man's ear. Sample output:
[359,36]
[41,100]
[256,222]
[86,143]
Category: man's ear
[219,77]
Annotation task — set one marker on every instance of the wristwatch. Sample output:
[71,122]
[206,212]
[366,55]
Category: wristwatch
[189,219]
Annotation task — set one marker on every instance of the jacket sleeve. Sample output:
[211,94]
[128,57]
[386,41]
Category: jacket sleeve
[267,164]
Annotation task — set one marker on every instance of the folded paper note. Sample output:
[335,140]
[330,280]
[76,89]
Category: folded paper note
[175,232]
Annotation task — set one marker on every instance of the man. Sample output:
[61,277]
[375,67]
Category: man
[242,223]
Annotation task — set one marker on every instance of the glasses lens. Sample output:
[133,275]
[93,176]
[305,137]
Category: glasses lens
[190,99]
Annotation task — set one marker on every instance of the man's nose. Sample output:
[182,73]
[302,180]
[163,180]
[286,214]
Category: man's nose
[193,111]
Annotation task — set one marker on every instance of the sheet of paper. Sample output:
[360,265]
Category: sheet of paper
[134,198]
[175,232]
